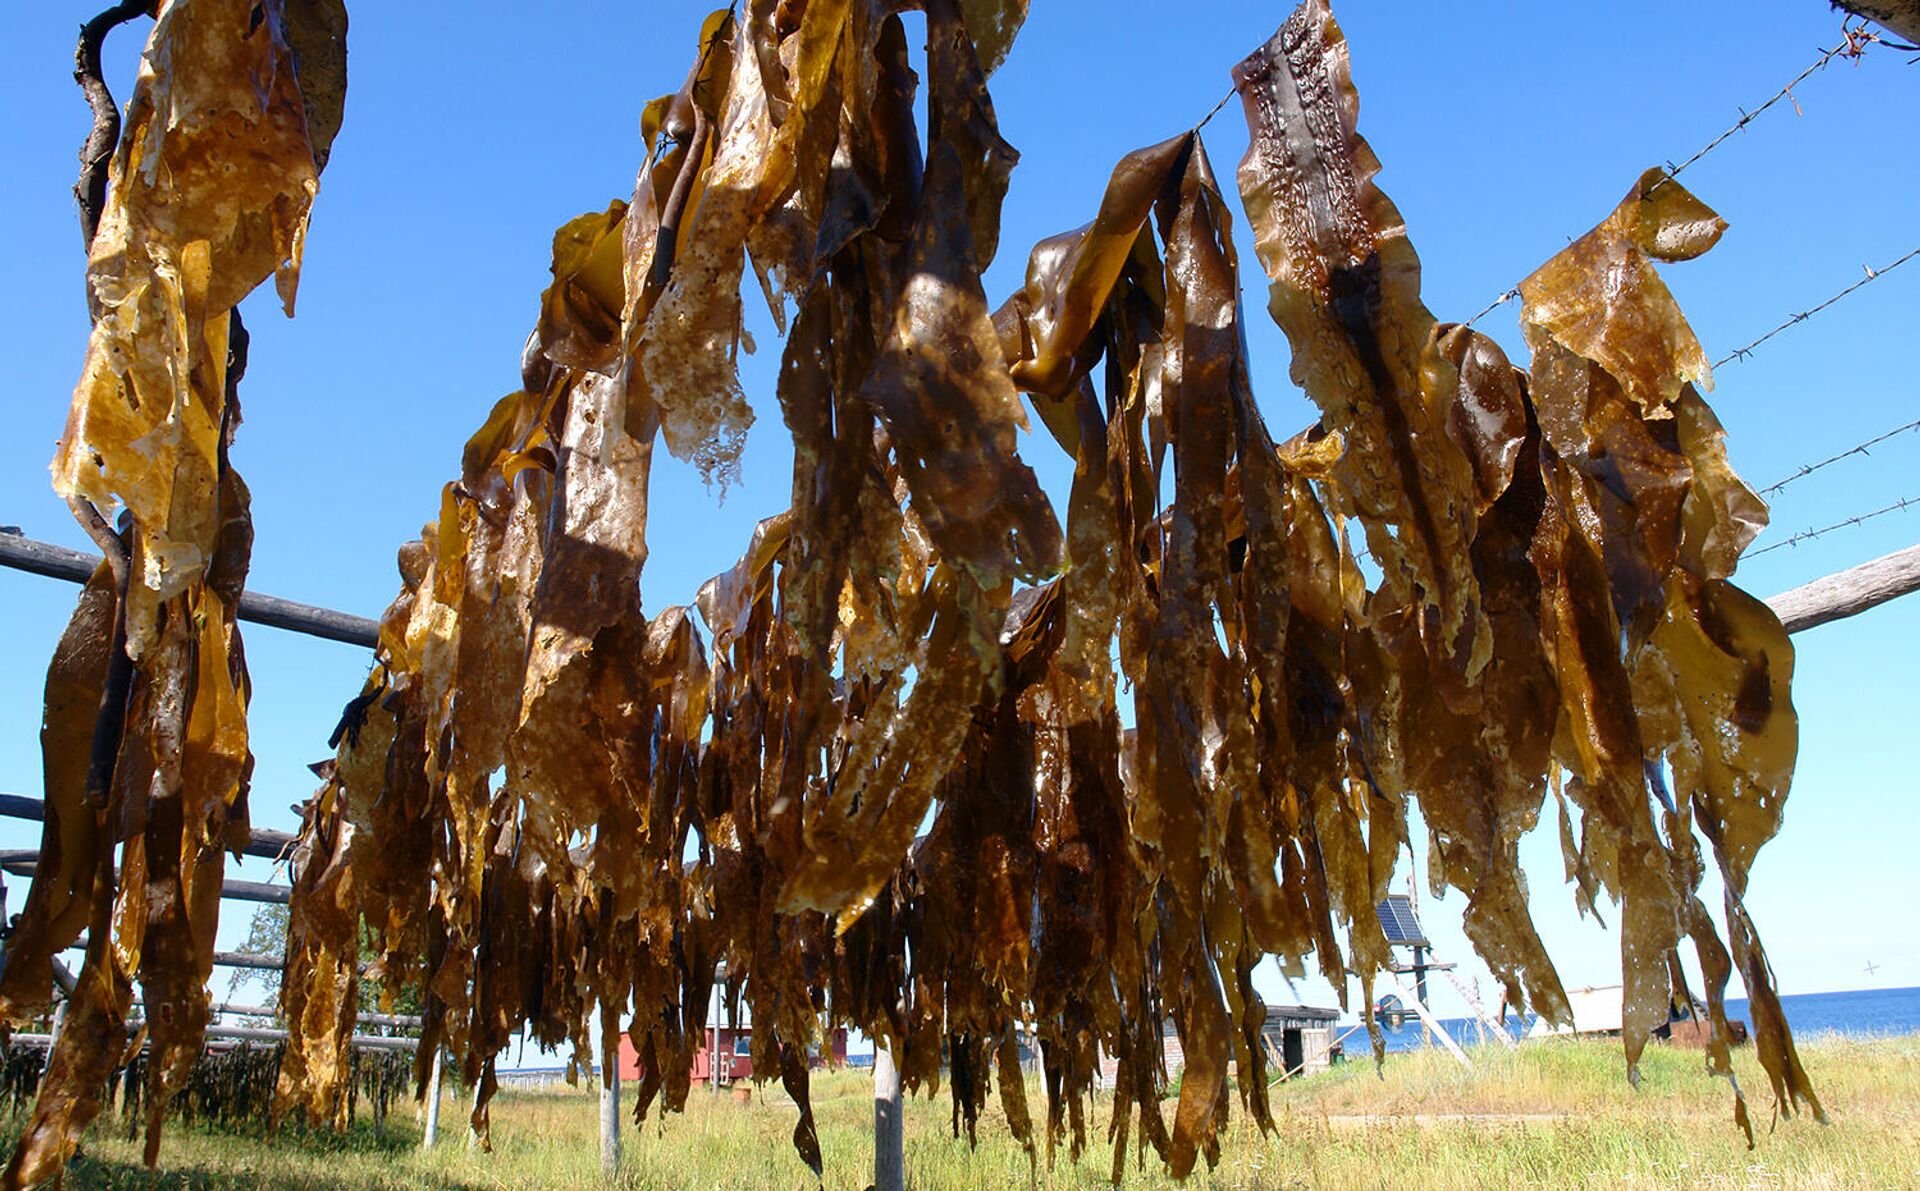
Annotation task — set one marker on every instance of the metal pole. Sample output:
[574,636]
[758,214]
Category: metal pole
[432,1132]
[713,1050]
[889,1131]
[1420,989]
[609,1092]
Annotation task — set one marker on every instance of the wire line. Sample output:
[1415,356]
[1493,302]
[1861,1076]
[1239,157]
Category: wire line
[1807,535]
[1853,44]
[1808,469]
[1740,353]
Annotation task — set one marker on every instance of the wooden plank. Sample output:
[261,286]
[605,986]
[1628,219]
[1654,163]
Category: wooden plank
[431,1131]
[1849,592]
[58,562]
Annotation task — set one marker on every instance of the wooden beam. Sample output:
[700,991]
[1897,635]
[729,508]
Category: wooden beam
[240,891]
[264,842]
[1898,16]
[221,959]
[431,1131]
[1849,592]
[249,1034]
[58,562]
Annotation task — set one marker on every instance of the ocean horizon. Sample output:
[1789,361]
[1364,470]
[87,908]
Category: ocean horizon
[1855,1013]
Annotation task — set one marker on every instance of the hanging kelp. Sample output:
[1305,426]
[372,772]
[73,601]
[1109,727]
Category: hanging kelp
[209,191]
[880,770]
[894,791]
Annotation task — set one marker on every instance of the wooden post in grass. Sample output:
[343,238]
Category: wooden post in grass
[431,1133]
[889,1132]
[609,1091]
[473,1135]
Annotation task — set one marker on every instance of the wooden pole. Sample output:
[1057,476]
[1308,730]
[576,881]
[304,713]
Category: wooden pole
[1849,592]
[889,1132]
[473,1135]
[609,1091]
[263,842]
[431,1133]
[241,891]
[58,562]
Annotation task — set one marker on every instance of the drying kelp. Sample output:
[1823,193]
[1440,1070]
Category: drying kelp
[209,190]
[915,644]
[880,773]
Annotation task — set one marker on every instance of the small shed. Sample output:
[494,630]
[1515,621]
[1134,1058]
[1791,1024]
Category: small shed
[1297,1039]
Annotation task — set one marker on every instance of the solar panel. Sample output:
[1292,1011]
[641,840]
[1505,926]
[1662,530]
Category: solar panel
[1398,921]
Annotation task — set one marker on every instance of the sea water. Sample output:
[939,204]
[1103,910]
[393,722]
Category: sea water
[1861,1013]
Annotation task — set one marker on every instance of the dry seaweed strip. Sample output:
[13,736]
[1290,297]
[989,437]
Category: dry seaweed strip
[580,809]
[189,228]
[1346,289]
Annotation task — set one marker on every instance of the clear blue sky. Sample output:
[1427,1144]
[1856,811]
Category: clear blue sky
[474,130]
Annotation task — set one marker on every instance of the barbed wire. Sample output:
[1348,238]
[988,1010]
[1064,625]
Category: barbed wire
[1807,535]
[1862,449]
[1206,119]
[1853,43]
[1740,353]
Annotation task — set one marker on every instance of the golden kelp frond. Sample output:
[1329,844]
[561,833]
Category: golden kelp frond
[890,787]
[319,987]
[1346,290]
[1602,299]
[232,116]
[60,900]
[189,229]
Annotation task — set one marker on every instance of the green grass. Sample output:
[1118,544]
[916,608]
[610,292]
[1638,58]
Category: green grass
[1554,1114]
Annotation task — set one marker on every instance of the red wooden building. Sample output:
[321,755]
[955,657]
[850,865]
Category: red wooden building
[736,1061]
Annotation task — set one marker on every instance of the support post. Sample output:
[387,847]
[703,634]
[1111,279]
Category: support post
[609,1091]
[889,1132]
[431,1132]
[1434,1030]
[473,1135]
[713,1032]
[1420,989]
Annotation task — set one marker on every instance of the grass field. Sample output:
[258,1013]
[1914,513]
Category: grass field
[1549,1114]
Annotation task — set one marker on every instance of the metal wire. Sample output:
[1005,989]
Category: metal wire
[1808,469]
[1807,535]
[1740,353]
[1231,92]
[1853,44]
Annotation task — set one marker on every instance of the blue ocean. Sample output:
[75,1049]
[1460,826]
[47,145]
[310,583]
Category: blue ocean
[1870,1012]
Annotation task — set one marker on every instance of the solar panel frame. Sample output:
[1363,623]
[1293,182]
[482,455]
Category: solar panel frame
[1400,924]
